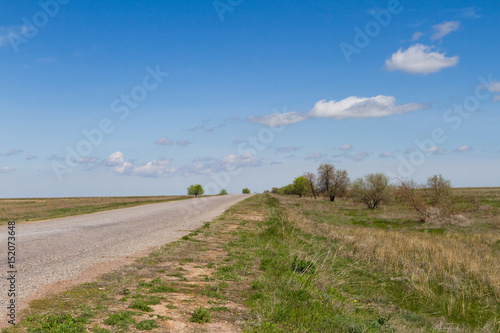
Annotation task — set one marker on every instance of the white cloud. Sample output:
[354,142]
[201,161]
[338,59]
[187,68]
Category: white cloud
[463,148]
[496,98]
[443,29]
[286,149]
[416,36]
[436,150]
[86,160]
[184,143]
[155,169]
[164,142]
[346,147]
[386,154]
[314,156]
[356,107]
[419,59]
[30,157]
[115,159]
[360,156]
[494,86]
[234,162]
[6,169]
[13,152]
[278,119]
[206,166]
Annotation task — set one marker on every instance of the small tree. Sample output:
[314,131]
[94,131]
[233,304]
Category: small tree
[275,190]
[245,191]
[410,192]
[195,190]
[438,190]
[371,190]
[311,178]
[300,186]
[332,182]
[223,192]
[340,185]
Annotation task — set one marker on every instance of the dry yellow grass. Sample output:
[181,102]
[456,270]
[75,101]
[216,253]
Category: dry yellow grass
[462,262]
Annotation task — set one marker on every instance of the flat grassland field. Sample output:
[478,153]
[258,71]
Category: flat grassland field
[22,210]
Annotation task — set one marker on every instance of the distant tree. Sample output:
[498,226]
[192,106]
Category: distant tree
[223,192]
[331,182]
[371,190]
[325,177]
[275,190]
[195,190]
[410,192]
[340,185]
[438,190]
[300,186]
[311,178]
[245,191]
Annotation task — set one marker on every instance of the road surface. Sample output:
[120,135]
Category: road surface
[51,251]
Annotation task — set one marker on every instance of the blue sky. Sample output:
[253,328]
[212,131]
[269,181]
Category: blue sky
[234,94]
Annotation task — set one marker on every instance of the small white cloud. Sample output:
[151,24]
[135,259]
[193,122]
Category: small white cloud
[463,148]
[184,143]
[360,156]
[494,87]
[115,159]
[435,150]
[6,169]
[443,29]
[416,36]
[356,107]
[278,119]
[419,59]
[234,162]
[164,142]
[314,156]
[30,157]
[86,160]
[409,150]
[286,149]
[386,154]
[13,152]
[346,147]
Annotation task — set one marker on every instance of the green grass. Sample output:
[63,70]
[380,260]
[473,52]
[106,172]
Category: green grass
[146,325]
[121,320]
[200,315]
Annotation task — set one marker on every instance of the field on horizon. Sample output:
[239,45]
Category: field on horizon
[33,209]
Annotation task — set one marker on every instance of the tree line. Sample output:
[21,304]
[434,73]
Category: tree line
[372,190]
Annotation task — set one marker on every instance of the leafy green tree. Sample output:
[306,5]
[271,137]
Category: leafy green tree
[311,178]
[300,186]
[371,190]
[195,190]
[223,192]
[245,191]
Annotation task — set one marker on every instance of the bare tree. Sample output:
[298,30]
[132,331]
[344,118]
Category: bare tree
[371,190]
[412,193]
[311,178]
[438,190]
[332,182]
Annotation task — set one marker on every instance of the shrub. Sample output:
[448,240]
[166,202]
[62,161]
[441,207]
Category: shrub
[371,190]
[245,191]
[200,315]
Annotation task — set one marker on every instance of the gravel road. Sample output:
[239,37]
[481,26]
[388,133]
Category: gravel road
[51,251]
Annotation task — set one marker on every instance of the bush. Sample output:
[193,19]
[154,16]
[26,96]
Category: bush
[223,192]
[200,315]
[245,191]
[371,190]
